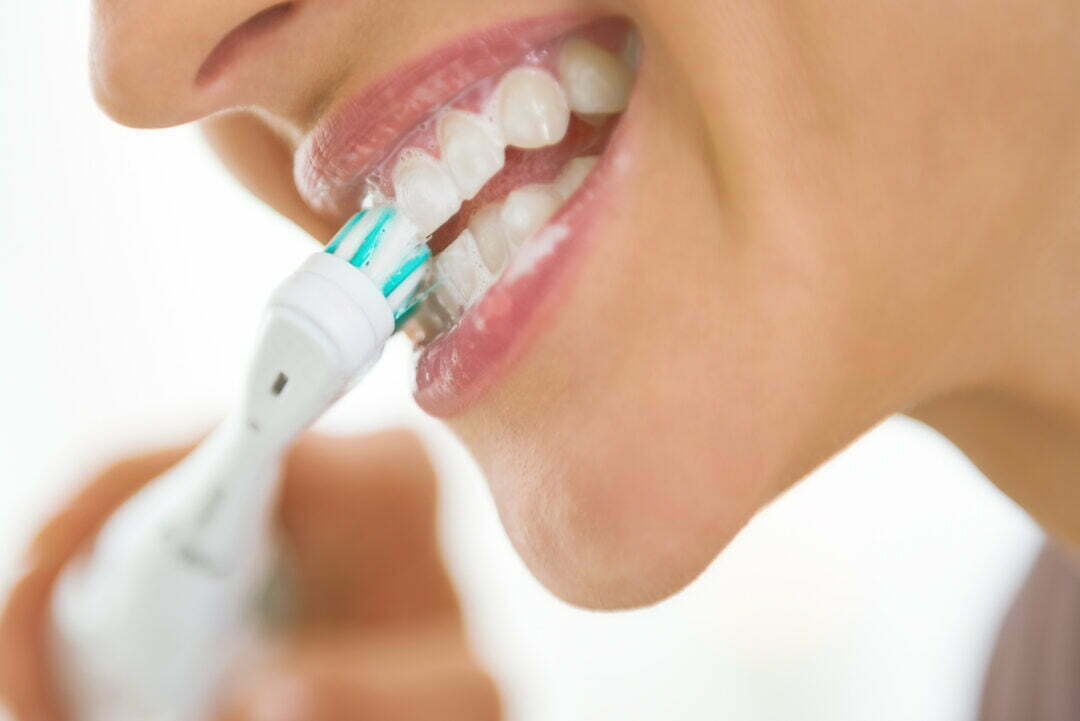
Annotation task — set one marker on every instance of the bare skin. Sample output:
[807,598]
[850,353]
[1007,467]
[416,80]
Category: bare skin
[867,208]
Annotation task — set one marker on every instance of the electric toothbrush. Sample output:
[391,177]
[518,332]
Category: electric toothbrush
[145,623]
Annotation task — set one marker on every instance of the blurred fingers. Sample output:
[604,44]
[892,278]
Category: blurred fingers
[82,515]
[426,673]
[359,514]
[25,680]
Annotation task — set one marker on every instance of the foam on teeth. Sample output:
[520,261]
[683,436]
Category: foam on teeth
[468,266]
[471,149]
[449,297]
[529,109]
[461,266]
[425,190]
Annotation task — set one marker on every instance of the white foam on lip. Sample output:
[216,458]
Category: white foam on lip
[534,250]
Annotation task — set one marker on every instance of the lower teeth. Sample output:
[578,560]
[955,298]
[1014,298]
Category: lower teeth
[467,267]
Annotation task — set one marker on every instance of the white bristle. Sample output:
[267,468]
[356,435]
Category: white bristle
[352,234]
[378,241]
[397,242]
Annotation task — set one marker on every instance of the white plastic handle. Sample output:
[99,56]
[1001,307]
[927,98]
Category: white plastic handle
[145,625]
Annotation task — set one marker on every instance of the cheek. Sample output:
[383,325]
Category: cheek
[701,363]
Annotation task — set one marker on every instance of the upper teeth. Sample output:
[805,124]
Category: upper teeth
[471,148]
[530,108]
[595,80]
[425,190]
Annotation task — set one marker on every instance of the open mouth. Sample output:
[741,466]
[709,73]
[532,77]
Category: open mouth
[481,145]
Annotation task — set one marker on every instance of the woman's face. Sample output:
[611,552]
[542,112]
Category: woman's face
[801,220]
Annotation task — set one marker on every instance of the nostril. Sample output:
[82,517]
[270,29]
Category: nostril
[230,46]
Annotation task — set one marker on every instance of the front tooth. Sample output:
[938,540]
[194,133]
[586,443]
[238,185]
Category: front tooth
[425,191]
[595,80]
[573,175]
[490,236]
[527,209]
[460,266]
[470,150]
[532,109]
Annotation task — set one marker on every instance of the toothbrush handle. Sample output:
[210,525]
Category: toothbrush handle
[145,625]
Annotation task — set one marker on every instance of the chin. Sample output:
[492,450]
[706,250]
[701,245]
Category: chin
[603,520]
[601,534]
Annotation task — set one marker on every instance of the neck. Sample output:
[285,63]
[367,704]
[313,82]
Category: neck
[1020,422]
[1029,452]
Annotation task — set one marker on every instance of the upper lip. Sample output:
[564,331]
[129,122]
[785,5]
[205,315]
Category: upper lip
[232,46]
[361,130]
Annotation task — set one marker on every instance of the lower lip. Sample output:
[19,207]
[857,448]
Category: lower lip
[457,368]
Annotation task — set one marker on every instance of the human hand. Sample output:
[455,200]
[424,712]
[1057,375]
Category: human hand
[377,633]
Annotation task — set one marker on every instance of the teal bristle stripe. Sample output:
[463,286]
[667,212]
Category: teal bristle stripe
[404,314]
[371,240]
[340,235]
[370,244]
[419,256]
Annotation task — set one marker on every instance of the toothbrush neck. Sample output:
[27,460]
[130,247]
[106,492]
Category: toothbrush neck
[294,376]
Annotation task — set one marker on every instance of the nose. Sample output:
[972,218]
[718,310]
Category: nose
[156,63]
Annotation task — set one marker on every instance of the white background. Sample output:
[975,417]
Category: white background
[132,271]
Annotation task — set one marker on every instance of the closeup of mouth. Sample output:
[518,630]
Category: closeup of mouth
[499,146]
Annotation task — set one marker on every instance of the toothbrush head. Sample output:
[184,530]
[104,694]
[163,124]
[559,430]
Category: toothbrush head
[327,323]
[387,247]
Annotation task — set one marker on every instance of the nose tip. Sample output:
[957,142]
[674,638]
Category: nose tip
[156,63]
